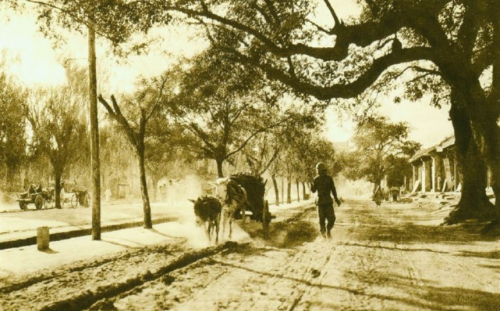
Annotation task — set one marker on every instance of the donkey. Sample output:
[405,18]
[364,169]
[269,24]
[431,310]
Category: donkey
[208,212]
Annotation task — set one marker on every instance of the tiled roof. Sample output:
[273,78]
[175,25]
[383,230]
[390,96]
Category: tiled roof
[447,142]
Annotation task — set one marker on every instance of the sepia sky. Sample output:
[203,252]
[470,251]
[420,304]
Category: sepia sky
[34,60]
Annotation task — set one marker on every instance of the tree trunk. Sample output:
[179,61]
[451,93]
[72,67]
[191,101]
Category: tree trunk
[219,162]
[57,189]
[289,190]
[298,190]
[148,224]
[282,189]
[304,194]
[483,116]
[10,177]
[492,157]
[473,204]
[276,190]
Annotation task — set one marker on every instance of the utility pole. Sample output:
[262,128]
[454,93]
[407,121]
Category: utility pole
[94,138]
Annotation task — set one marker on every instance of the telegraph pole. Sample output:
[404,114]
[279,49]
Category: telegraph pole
[94,138]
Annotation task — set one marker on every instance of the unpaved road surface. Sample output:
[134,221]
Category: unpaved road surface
[392,258]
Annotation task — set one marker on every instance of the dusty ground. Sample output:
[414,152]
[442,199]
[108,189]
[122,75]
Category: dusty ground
[393,258]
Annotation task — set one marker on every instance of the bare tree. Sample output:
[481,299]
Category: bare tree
[138,110]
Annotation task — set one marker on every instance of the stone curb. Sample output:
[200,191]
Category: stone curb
[74,233]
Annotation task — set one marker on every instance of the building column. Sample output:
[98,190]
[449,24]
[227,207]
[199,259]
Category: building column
[414,177]
[423,175]
[433,174]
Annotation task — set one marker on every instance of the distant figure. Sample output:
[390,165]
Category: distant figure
[324,185]
[395,194]
[107,193]
[378,196]
[32,189]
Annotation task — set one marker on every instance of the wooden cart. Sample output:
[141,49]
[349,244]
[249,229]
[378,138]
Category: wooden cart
[35,195]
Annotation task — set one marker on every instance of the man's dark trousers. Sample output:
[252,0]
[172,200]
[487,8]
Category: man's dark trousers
[326,213]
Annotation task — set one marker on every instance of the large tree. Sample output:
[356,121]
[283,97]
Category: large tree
[460,39]
[57,120]
[132,118]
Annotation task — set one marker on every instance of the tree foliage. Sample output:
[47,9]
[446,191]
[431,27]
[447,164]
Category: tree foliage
[223,117]
[379,147]
[57,119]
[13,146]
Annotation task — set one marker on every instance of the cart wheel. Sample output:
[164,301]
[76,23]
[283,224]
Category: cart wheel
[74,201]
[23,205]
[39,201]
[86,200]
[266,219]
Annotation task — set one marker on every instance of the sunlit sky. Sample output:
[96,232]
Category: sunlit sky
[35,61]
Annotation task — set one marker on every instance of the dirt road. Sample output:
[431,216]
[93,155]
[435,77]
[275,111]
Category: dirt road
[392,258]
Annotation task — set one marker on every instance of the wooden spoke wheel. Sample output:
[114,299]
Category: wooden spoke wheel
[23,205]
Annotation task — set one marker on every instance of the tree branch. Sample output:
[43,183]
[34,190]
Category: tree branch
[78,20]
[361,35]
[347,90]
[252,135]
[332,12]
[116,115]
[158,99]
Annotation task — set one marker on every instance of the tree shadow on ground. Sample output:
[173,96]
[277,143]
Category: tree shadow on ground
[487,255]
[452,298]
[428,296]
[424,295]
[432,298]
[286,234]
[414,233]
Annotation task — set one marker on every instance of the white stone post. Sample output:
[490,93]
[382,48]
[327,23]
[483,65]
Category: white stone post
[42,238]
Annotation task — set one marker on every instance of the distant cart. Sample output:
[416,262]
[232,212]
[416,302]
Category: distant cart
[35,195]
[77,195]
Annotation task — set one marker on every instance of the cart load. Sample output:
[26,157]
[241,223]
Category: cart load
[255,188]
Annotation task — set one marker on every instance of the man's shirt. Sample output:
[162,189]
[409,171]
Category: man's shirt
[324,184]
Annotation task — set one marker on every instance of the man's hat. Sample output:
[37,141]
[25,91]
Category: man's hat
[320,166]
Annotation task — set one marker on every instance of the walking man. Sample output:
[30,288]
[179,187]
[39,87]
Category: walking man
[323,183]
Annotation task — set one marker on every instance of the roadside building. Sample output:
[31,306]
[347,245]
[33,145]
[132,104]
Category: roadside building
[435,169]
